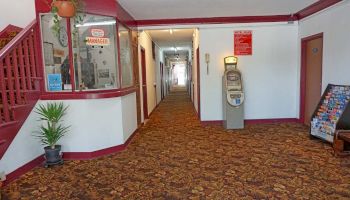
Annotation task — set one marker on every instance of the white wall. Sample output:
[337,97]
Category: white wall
[335,25]
[152,70]
[95,124]
[269,75]
[19,13]
[129,115]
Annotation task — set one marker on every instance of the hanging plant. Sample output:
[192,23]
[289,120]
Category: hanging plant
[66,9]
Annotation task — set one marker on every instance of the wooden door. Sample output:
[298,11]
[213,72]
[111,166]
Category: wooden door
[198,85]
[162,80]
[312,59]
[136,75]
[144,83]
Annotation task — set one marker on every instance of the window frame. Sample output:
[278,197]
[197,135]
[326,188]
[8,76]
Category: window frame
[84,94]
[131,57]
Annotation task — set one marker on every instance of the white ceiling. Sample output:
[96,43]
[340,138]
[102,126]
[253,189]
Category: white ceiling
[181,39]
[172,9]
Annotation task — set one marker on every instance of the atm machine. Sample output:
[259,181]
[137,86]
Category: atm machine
[233,95]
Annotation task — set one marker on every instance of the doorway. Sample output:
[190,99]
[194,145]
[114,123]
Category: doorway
[198,85]
[144,83]
[311,76]
[162,81]
[136,75]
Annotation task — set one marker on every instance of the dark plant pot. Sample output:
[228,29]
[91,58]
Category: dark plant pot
[53,155]
[65,9]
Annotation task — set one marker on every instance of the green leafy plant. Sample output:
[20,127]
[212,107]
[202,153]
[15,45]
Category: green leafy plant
[51,131]
[78,18]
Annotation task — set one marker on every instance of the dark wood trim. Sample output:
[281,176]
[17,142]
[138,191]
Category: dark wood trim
[88,94]
[315,7]
[303,74]
[144,83]
[216,20]
[198,85]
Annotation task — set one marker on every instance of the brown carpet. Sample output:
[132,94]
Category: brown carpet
[174,157]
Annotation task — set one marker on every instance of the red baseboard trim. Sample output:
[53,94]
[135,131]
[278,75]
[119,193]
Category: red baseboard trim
[255,121]
[68,156]
[24,169]
[214,122]
[154,110]
[98,153]
[271,121]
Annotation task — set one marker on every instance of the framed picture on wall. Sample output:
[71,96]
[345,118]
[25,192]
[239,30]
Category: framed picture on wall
[48,54]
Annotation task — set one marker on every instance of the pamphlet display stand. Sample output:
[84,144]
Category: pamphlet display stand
[332,112]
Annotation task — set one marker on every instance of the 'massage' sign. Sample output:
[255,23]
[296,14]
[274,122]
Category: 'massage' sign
[97,41]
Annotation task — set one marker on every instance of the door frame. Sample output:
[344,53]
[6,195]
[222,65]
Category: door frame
[304,42]
[161,81]
[144,83]
[198,85]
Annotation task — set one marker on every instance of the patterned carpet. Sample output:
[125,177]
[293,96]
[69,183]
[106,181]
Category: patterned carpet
[174,157]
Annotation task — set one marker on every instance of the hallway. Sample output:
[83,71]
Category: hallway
[174,157]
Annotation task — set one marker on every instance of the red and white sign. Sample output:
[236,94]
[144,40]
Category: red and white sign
[97,41]
[97,32]
[243,43]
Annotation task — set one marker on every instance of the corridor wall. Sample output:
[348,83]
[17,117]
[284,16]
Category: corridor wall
[269,75]
[152,70]
[335,26]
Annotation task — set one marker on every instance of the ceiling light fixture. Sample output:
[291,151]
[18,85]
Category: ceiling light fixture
[171,31]
[96,23]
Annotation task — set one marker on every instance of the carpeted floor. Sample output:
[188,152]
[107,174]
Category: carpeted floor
[174,157]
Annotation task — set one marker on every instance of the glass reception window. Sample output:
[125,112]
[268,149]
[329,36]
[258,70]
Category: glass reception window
[55,54]
[95,53]
[125,56]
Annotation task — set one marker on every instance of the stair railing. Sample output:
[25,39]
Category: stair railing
[18,71]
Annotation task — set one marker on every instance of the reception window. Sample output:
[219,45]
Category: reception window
[95,53]
[55,53]
[84,56]
[125,56]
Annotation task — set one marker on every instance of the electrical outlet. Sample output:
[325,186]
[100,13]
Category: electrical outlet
[2,176]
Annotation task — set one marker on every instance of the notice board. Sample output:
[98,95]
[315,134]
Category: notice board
[243,43]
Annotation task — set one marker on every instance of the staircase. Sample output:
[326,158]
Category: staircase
[8,34]
[19,83]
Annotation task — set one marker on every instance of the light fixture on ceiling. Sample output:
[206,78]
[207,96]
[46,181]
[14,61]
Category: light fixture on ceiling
[171,31]
[96,23]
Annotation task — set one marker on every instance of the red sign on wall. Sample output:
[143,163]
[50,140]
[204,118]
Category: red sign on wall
[243,43]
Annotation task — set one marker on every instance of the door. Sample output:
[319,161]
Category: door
[312,49]
[136,75]
[162,80]
[198,85]
[144,83]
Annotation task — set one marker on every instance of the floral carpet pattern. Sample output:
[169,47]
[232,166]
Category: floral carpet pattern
[173,156]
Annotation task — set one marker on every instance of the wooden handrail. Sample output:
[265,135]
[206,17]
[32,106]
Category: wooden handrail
[17,40]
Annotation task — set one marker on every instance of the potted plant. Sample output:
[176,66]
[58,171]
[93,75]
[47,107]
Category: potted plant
[52,130]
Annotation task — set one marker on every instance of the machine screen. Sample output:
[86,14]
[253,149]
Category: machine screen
[233,79]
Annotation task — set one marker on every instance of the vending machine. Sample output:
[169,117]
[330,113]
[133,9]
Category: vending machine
[233,95]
